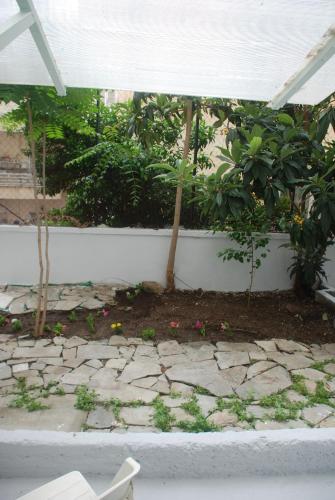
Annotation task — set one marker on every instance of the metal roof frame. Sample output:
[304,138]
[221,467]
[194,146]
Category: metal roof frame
[28,18]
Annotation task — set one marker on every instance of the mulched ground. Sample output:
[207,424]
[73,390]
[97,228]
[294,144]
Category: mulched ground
[279,315]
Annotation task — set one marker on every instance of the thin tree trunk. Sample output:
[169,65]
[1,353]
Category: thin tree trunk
[46,243]
[170,284]
[38,219]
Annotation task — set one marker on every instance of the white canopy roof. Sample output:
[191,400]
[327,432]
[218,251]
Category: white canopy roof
[243,49]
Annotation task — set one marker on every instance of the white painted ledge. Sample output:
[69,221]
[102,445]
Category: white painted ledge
[169,455]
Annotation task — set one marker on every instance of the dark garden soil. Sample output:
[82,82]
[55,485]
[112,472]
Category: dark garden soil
[270,315]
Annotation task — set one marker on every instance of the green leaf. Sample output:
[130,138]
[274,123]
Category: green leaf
[285,119]
[255,144]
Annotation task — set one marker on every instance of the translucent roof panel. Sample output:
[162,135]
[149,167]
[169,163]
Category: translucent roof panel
[222,48]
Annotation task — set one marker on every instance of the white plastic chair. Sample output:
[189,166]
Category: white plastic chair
[73,486]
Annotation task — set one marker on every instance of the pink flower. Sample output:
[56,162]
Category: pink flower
[198,325]
[223,327]
[105,313]
[174,324]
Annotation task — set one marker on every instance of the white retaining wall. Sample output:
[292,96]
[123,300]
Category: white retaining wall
[133,255]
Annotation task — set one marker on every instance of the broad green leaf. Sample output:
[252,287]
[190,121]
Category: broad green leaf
[285,119]
[254,146]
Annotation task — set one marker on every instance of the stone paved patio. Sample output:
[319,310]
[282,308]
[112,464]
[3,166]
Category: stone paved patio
[17,299]
[134,385]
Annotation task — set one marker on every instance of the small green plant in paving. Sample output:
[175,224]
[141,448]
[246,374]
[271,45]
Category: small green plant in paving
[148,333]
[200,424]
[237,406]
[2,320]
[201,390]
[284,408]
[116,405]
[24,399]
[320,365]
[162,417]
[86,399]
[134,292]
[72,316]
[321,395]
[299,385]
[175,394]
[16,325]
[58,329]
[90,321]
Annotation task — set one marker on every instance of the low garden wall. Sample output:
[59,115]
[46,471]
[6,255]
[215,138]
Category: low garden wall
[129,255]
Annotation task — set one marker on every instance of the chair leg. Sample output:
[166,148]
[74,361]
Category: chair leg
[130,493]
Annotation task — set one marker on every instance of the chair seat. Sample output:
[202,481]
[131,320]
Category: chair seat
[72,486]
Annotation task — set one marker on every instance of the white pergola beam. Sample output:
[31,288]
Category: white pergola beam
[13,28]
[36,30]
[315,59]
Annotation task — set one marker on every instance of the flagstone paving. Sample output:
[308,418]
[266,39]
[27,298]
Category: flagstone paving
[120,385]
[17,299]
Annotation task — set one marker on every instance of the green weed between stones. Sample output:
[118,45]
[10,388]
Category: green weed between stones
[162,416]
[320,365]
[26,398]
[200,424]
[237,406]
[86,399]
[284,408]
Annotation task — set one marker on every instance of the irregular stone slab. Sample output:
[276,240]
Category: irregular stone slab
[26,343]
[321,354]
[146,383]
[38,352]
[291,361]
[175,359]
[290,346]
[26,373]
[237,346]
[118,340]
[96,351]
[52,361]
[183,389]
[204,374]
[66,305]
[117,364]
[266,345]
[257,356]
[137,416]
[73,362]
[207,404]
[42,342]
[330,368]
[295,397]
[273,425]
[127,393]
[101,418]
[70,353]
[20,367]
[74,342]
[56,370]
[5,371]
[94,363]
[330,348]
[146,350]
[310,386]
[4,355]
[127,352]
[92,303]
[181,415]
[18,306]
[61,416]
[169,348]
[59,340]
[234,376]
[229,359]
[140,369]
[103,378]
[79,376]
[137,341]
[5,300]
[223,418]
[162,385]
[328,422]
[274,380]
[316,414]
[142,428]
[199,351]
[258,368]
[310,373]
[38,366]
[174,402]
[55,374]
[260,412]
